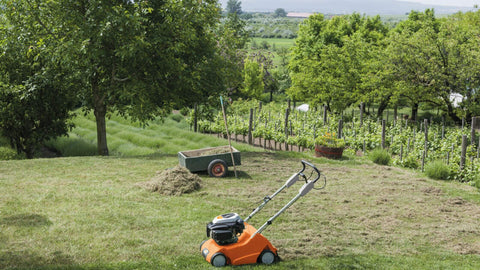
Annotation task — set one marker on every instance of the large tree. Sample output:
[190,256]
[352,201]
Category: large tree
[138,58]
[231,41]
[429,58]
[35,100]
[234,7]
[330,59]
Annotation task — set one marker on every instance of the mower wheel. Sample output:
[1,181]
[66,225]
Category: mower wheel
[201,244]
[219,260]
[266,257]
[217,168]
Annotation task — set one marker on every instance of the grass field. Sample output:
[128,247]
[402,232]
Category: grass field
[163,136]
[88,213]
[279,42]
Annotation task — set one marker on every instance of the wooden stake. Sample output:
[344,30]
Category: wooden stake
[228,136]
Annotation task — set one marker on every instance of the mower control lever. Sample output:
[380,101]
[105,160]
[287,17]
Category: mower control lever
[304,163]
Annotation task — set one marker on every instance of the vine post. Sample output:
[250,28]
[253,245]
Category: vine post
[250,123]
[464,152]
[340,128]
[472,132]
[287,111]
[362,107]
[383,133]
[401,152]
[443,127]
[195,119]
[426,136]
[423,161]
[324,115]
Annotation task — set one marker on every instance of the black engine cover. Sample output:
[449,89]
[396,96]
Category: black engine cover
[225,232]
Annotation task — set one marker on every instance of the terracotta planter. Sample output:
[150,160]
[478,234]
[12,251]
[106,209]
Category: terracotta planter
[328,152]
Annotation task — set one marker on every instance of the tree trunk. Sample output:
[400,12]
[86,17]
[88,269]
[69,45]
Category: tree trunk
[100,110]
[451,113]
[382,106]
[414,112]
[101,131]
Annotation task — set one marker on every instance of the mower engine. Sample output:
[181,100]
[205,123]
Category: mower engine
[225,229]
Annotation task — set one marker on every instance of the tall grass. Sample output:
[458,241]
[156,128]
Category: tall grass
[126,138]
[380,156]
[437,170]
[73,145]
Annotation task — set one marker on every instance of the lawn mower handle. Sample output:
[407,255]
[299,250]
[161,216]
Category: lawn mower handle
[307,187]
[304,163]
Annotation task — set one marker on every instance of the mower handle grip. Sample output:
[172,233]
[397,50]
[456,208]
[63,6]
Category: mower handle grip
[305,163]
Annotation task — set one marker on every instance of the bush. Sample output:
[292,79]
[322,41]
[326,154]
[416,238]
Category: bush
[437,170]
[7,153]
[176,117]
[380,156]
[408,162]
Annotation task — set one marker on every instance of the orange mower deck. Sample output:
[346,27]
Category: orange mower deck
[246,250]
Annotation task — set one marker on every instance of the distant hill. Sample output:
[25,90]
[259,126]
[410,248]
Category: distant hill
[369,7]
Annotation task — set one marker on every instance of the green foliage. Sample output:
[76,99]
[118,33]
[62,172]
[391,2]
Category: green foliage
[330,140]
[437,170]
[232,39]
[35,98]
[408,162]
[32,114]
[380,156]
[330,62]
[280,12]
[234,7]
[346,59]
[253,79]
[126,56]
[176,117]
[7,153]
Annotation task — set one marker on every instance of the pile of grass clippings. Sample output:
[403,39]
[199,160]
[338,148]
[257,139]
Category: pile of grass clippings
[174,182]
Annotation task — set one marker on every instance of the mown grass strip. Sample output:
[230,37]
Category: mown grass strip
[125,138]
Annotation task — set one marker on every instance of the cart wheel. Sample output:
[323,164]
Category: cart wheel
[219,260]
[217,168]
[266,257]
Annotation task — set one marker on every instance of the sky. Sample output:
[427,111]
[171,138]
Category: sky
[458,3]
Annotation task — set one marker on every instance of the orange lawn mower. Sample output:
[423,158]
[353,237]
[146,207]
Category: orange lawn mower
[232,241]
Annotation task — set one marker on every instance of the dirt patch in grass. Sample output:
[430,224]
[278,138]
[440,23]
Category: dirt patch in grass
[174,182]
[364,209]
[215,151]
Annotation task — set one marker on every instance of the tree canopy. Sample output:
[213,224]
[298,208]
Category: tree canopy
[353,58]
[140,59]
[329,60]
[234,7]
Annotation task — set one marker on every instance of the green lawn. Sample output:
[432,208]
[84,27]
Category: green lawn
[88,213]
[279,42]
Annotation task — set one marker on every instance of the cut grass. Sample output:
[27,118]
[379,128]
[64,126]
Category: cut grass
[87,213]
